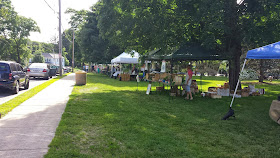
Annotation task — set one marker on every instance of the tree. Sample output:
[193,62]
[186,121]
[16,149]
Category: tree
[64,54]
[89,46]
[6,15]
[21,29]
[38,58]
[14,30]
[224,26]
[94,48]
[260,21]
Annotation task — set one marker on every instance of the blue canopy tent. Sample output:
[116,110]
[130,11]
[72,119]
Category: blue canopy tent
[271,51]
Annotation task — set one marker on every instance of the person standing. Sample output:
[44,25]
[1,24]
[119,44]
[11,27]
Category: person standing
[188,82]
[86,68]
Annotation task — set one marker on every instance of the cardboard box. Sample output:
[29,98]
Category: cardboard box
[226,85]
[256,94]
[209,94]
[244,94]
[216,96]
[212,89]
[173,94]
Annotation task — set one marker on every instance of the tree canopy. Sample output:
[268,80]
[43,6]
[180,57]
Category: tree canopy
[89,46]
[225,26]
[14,30]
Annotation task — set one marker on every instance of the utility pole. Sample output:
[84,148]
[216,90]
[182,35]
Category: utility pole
[73,51]
[60,41]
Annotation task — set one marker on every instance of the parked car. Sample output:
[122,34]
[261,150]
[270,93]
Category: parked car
[67,69]
[12,76]
[53,70]
[40,70]
[58,70]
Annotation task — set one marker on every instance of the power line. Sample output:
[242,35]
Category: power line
[50,6]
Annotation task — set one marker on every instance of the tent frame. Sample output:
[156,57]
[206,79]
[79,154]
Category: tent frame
[236,87]
[271,51]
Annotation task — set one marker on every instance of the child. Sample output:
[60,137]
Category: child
[188,82]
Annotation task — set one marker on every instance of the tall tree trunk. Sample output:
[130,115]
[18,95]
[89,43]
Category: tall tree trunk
[234,70]
[261,71]
[232,41]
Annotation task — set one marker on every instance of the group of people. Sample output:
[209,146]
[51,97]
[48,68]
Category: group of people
[115,69]
[188,81]
[85,68]
[115,72]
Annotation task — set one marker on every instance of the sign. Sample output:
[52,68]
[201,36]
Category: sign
[153,65]
[149,89]
[137,78]
[163,66]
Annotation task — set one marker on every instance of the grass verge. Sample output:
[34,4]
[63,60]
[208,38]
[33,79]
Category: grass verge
[110,118]
[11,104]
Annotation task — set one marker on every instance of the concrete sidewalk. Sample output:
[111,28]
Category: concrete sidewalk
[29,128]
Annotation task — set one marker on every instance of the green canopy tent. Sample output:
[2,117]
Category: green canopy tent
[187,52]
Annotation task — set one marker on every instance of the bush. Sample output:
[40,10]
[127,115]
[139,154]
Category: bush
[248,75]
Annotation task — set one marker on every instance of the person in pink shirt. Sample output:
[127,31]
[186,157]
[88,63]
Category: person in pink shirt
[188,82]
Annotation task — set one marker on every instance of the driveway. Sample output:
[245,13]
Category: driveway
[6,95]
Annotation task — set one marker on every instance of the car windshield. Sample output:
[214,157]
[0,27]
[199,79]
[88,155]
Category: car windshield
[38,65]
[53,67]
[3,67]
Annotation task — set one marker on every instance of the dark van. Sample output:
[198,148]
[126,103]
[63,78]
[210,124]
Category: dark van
[12,76]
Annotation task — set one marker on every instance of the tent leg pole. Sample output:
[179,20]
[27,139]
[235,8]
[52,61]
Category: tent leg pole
[237,83]
[112,69]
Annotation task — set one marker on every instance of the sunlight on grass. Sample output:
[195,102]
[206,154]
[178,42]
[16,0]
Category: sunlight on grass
[110,118]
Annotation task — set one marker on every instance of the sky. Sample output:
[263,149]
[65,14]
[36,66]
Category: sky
[47,18]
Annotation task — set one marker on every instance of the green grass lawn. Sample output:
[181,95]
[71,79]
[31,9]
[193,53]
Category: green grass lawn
[110,118]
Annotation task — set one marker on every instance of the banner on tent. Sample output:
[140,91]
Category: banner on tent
[163,66]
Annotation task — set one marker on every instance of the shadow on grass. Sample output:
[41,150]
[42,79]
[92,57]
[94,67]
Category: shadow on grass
[108,122]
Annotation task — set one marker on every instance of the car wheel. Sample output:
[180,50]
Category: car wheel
[46,78]
[16,90]
[26,86]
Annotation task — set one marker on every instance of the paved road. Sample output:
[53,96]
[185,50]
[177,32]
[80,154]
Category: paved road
[6,95]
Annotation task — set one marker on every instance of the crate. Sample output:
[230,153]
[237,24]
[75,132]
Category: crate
[159,88]
[125,77]
[157,77]
[163,75]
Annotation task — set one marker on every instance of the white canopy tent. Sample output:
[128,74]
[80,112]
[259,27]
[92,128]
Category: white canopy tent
[271,51]
[125,58]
